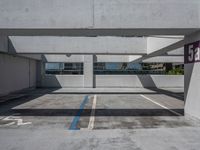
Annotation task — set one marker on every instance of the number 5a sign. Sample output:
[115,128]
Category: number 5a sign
[192,52]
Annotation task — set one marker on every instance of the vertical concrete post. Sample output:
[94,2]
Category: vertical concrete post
[39,70]
[192,76]
[88,71]
[40,73]
[4,44]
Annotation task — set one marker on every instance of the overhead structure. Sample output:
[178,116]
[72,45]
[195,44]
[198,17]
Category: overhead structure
[162,51]
[99,17]
[77,45]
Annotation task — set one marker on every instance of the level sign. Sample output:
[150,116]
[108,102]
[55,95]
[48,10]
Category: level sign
[192,52]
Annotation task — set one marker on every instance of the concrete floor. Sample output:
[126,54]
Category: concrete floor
[55,119]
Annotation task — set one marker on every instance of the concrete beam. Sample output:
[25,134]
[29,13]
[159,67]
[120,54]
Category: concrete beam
[159,42]
[32,56]
[97,32]
[146,14]
[162,51]
[99,14]
[80,58]
[4,48]
[165,59]
[112,58]
[47,14]
[78,45]
[62,58]
[177,52]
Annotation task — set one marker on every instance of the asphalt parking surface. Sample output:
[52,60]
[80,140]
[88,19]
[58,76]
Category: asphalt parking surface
[35,114]
[102,111]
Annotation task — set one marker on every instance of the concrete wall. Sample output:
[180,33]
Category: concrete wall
[116,81]
[71,81]
[160,81]
[16,73]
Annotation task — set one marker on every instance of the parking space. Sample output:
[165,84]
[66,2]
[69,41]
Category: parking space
[56,119]
[41,110]
[135,111]
[93,111]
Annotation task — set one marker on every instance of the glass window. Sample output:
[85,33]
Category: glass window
[64,68]
[135,68]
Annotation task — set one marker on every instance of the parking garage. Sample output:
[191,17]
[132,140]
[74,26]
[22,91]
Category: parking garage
[66,83]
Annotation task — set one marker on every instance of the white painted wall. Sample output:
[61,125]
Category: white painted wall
[16,73]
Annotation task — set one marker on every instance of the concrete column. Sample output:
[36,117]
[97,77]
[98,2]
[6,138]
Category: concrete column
[4,44]
[39,70]
[40,73]
[192,79]
[88,71]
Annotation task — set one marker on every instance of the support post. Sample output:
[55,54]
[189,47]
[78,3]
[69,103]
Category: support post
[88,71]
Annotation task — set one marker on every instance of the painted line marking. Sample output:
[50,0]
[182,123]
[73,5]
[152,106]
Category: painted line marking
[92,116]
[8,124]
[75,121]
[15,120]
[18,120]
[160,105]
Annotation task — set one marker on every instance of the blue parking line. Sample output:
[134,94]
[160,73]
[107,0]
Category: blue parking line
[75,121]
